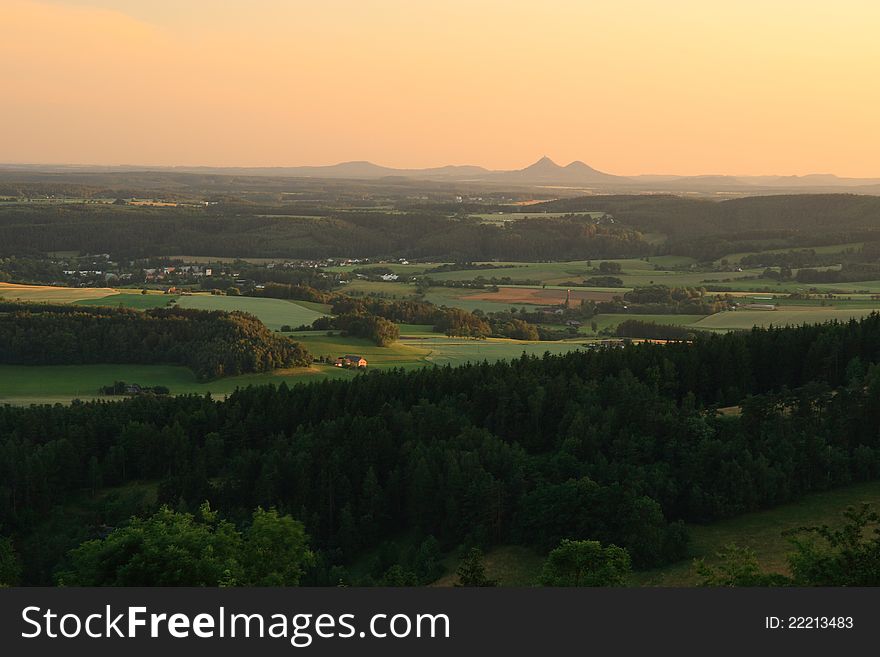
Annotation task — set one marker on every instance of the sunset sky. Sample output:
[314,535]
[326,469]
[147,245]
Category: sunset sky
[628,86]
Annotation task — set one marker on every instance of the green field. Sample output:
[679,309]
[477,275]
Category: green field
[456,351]
[426,348]
[26,384]
[23,384]
[746,319]
[274,313]
[130,300]
[400,354]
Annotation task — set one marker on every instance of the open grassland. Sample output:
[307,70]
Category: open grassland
[23,384]
[794,315]
[421,348]
[402,354]
[457,351]
[52,294]
[131,300]
[274,313]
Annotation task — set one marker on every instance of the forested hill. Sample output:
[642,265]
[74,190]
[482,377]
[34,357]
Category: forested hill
[248,232]
[709,229]
[212,344]
[447,231]
[677,216]
[613,445]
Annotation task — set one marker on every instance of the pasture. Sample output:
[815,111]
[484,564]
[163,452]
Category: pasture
[50,384]
[131,300]
[274,313]
[791,315]
[21,384]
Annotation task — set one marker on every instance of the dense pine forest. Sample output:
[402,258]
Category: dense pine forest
[212,344]
[390,469]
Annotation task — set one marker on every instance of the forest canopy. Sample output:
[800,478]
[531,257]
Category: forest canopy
[210,343]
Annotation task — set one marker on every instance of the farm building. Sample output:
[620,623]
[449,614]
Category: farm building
[351,361]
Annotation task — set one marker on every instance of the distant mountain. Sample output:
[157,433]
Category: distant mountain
[544,172]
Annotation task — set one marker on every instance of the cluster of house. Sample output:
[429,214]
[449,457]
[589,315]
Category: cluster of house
[160,273]
[350,360]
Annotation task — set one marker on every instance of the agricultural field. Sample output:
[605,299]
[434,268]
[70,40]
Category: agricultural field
[131,300]
[49,384]
[457,351]
[51,293]
[419,347]
[792,315]
[274,313]
[403,353]
[21,384]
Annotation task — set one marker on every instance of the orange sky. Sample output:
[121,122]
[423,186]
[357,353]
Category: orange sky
[629,86]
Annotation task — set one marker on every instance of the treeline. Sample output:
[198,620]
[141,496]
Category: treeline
[848,273]
[634,328]
[682,217]
[662,299]
[211,344]
[376,318]
[614,445]
[371,327]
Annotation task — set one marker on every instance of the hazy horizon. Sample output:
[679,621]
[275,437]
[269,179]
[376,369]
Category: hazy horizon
[630,88]
[439,165]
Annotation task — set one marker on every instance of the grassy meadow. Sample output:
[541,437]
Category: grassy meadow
[274,313]
[791,315]
[133,300]
[43,384]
